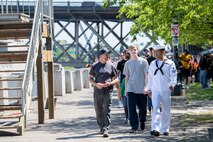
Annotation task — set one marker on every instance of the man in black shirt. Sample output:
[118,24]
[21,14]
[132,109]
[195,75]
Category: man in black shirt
[120,67]
[103,76]
[149,59]
[121,64]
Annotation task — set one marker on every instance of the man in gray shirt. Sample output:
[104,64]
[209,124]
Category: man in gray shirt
[103,76]
[136,71]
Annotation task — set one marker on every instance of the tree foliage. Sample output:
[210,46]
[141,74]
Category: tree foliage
[195,18]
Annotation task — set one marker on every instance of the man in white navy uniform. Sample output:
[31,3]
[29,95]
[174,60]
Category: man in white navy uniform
[162,78]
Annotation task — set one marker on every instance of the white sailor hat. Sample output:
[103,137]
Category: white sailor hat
[157,47]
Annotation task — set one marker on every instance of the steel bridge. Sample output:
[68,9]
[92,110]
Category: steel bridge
[89,26]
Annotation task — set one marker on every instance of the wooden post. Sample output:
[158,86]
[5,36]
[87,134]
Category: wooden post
[40,86]
[51,92]
[50,79]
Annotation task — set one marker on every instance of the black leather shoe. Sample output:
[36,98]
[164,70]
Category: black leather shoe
[142,126]
[165,133]
[155,133]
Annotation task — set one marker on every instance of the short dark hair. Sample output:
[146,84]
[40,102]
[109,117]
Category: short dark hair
[185,50]
[126,51]
[150,48]
[102,51]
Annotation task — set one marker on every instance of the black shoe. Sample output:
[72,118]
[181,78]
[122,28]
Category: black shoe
[142,126]
[165,133]
[133,131]
[155,133]
[152,132]
[105,133]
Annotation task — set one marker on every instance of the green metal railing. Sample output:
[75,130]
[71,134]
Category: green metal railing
[28,7]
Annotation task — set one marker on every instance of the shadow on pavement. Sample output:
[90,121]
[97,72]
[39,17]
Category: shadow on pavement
[6,134]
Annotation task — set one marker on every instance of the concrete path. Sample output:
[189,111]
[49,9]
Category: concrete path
[75,122]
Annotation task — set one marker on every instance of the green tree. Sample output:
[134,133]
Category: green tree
[195,18]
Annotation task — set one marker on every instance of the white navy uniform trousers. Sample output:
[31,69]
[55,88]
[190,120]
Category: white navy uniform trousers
[159,81]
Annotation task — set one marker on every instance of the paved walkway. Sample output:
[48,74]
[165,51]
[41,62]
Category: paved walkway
[75,122]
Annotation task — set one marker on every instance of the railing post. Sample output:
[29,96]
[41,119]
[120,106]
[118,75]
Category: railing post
[6,7]
[17,6]
[51,21]
[68,6]
[11,7]
[22,6]
[29,9]
[2,7]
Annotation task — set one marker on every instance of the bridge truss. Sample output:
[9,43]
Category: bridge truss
[88,28]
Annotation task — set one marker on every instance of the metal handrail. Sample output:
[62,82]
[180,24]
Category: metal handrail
[29,4]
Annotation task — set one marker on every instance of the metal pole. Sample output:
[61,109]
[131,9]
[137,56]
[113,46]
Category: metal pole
[52,16]
[2,7]
[28,7]
[6,7]
[121,37]
[175,34]
[11,7]
[77,39]
[18,6]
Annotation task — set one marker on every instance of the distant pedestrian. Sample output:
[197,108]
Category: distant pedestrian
[136,72]
[149,59]
[120,68]
[196,70]
[121,64]
[209,71]
[161,81]
[103,76]
[185,58]
[203,71]
[117,85]
[125,100]
[88,65]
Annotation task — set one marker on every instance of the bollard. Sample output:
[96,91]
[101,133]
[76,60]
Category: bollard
[86,82]
[59,83]
[69,81]
[78,80]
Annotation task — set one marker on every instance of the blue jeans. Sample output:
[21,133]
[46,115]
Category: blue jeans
[203,78]
[149,103]
[124,101]
[197,74]
[134,101]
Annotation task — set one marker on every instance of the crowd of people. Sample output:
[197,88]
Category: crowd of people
[139,80]
[197,68]
[144,82]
